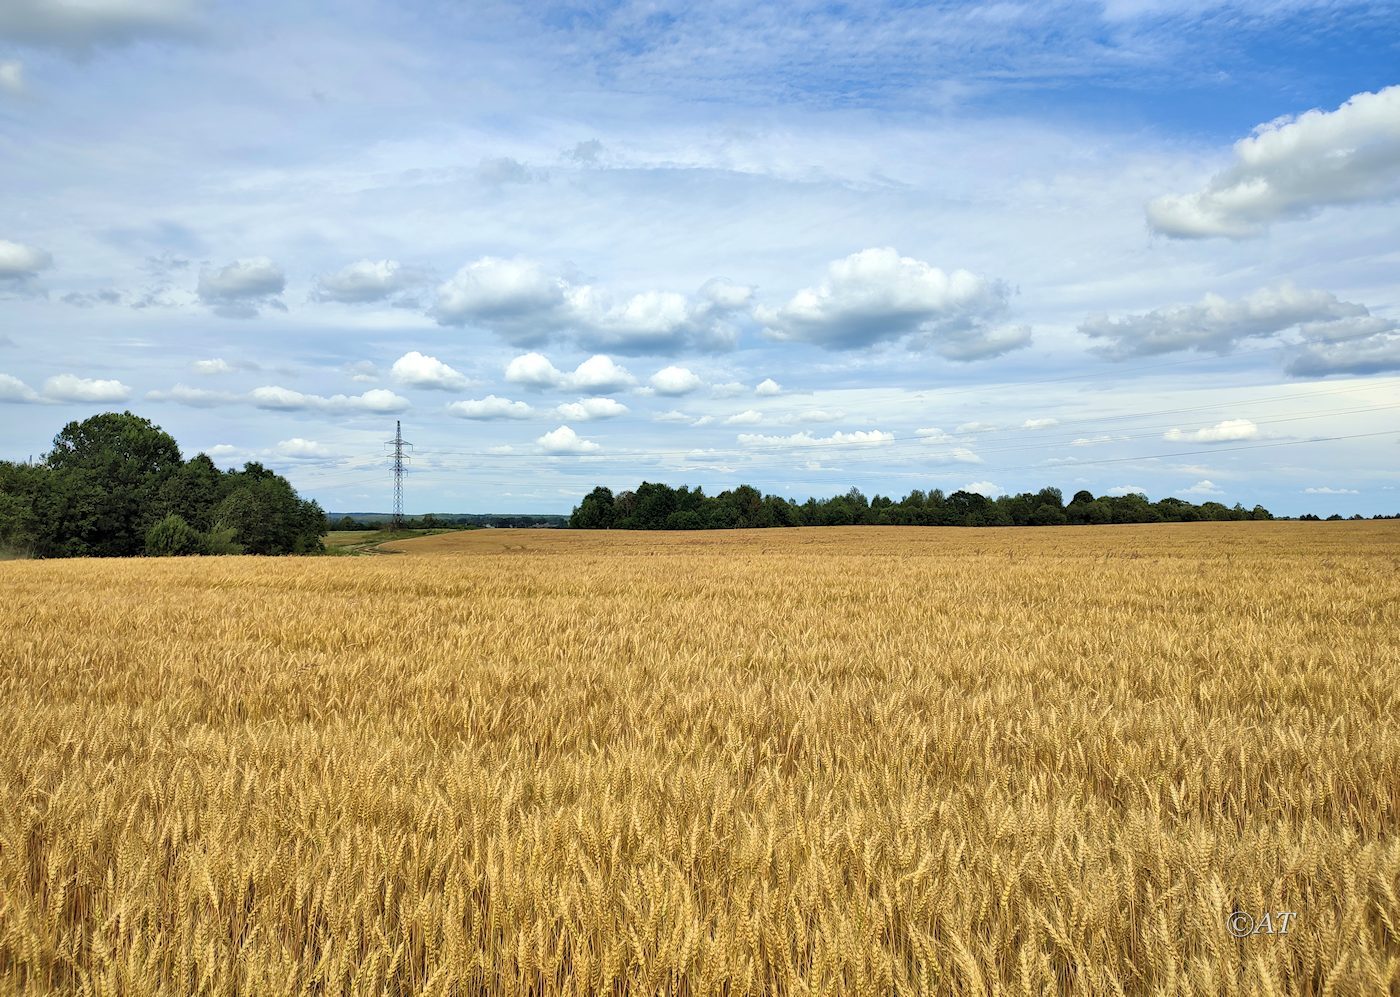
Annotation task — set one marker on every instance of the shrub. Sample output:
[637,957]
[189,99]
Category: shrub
[173,537]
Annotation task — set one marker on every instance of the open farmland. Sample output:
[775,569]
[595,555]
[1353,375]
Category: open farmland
[863,760]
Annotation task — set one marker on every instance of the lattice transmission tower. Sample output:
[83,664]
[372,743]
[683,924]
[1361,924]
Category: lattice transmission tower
[399,444]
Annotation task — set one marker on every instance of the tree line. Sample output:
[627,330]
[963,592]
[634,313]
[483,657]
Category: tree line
[115,485]
[656,506]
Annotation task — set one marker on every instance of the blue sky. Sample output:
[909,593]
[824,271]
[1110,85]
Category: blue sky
[1137,245]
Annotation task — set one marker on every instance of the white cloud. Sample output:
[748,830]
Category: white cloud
[527,306]
[1203,487]
[223,450]
[366,280]
[1291,167]
[378,400]
[86,24]
[1039,423]
[599,374]
[728,389]
[12,76]
[1217,324]
[18,261]
[1228,431]
[490,407]
[422,371]
[12,389]
[877,295]
[239,289]
[565,441]
[194,397]
[70,388]
[1089,441]
[934,435]
[533,370]
[514,297]
[748,417]
[977,427]
[591,408]
[216,366]
[984,488]
[1127,490]
[361,371]
[872,437]
[674,381]
[957,455]
[1328,490]
[299,449]
[768,387]
[675,415]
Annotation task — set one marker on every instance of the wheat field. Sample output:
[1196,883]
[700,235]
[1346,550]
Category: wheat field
[839,761]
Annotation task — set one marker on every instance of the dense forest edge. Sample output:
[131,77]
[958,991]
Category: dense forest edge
[116,485]
[654,506]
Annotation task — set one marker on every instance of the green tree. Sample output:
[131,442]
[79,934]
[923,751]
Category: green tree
[595,512]
[108,474]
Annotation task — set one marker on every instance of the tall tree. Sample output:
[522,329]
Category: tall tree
[108,473]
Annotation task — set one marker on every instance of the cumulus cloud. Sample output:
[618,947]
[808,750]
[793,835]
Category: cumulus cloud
[871,437]
[1203,487]
[81,27]
[1229,431]
[768,387]
[12,389]
[421,371]
[239,289]
[379,400]
[984,488]
[748,417]
[528,306]
[933,434]
[218,365]
[299,449]
[674,381]
[591,408]
[71,388]
[877,295]
[489,408]
[599,374]
[1336,333]
[1039,423]
[565,441]
[516,298]
[727,389]
[1292,167]
[20,262]
[366,280]
[1127,490]
[1370,354]
[977,427]
[1328,490]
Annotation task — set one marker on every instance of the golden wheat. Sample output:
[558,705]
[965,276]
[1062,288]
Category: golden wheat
[842,761]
